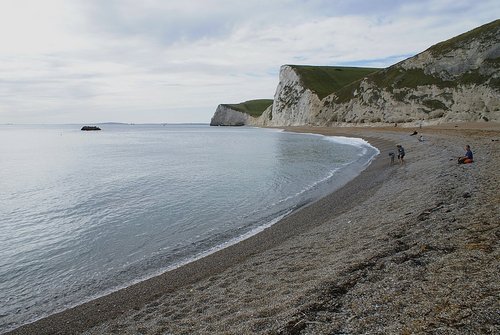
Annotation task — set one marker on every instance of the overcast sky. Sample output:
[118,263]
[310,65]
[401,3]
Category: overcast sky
[89,61]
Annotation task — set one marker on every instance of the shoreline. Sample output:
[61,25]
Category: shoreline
[78,318]
[398,249]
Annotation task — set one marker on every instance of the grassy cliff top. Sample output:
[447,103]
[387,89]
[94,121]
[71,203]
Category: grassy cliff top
[253,108]
[324,80]
[395,77]
[486,31]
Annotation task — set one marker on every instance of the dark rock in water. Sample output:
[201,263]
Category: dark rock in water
[87,128]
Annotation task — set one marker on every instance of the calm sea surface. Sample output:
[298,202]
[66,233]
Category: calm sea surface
[86,213]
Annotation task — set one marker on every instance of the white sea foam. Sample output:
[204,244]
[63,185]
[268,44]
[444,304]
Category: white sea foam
[355,141]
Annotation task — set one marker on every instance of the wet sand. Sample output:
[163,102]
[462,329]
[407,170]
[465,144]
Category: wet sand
[400,249]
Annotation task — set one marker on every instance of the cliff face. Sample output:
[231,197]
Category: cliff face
[226,116]
[426,104]
[293,103]
[456,80]
[244,113]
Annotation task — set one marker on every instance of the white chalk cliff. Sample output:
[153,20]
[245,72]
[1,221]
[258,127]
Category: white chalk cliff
[226,116]
[453,81]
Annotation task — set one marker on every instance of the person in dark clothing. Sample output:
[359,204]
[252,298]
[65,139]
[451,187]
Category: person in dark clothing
[401,154]
[468,158]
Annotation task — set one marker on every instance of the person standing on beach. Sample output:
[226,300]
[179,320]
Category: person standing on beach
[401,154]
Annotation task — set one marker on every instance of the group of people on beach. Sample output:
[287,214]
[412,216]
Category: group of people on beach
[467,158]
[401,155]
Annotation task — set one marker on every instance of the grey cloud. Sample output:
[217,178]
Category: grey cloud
[166,55]
[159,22]
[207,19]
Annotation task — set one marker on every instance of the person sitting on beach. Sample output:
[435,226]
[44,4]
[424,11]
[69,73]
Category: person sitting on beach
[468,158]
[401,154]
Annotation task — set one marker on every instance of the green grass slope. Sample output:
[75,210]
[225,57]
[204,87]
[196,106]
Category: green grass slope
[489,30]
[394,77]
[253,108]
[324,80]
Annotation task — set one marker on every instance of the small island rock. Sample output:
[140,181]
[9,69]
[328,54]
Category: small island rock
[87,128]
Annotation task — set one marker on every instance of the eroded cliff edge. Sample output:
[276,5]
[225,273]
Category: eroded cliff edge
[453,81]
[226,116]
[245,113]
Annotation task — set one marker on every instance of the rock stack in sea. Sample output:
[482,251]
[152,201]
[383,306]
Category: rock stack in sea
[90,128]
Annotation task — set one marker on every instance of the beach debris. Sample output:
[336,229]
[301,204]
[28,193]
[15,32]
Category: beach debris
[294,327]
[423,216]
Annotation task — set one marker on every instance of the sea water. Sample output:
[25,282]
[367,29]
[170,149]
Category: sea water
[86,213]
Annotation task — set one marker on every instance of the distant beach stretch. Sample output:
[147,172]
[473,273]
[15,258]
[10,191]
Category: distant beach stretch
[400,249]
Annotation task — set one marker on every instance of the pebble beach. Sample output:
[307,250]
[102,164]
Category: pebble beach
[402,249]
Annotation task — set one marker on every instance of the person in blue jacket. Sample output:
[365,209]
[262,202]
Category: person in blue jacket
[468,158]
